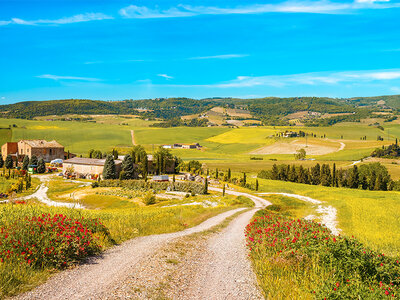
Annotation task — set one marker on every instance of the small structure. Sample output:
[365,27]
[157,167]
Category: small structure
[32,169]
[87,167]
[160,178]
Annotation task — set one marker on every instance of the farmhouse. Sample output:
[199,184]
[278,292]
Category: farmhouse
[40,148]
[87,167]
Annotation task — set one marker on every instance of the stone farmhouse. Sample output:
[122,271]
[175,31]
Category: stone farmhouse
[40,148]
[90,168]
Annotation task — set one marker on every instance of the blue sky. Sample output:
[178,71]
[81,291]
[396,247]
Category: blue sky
[137,49]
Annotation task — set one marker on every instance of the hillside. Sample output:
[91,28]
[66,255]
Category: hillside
[270,110]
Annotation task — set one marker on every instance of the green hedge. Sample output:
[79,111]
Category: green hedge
[187,187]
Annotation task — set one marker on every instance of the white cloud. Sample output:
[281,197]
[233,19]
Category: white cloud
[315,7]
[223,56]
[67,20]
[56,77]
[165,76]
[316,78]
[312,78]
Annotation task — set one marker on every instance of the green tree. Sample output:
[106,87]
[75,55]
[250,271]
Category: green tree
[9,164]
[275,172]
[115,153]
[256,184]
[1,161]
[41,168]
[128,168]
[244,179]
[33,160]
[300,154]
[109,168]
[205,189]
[353,178]
[229,175]
[223,191]
[90,153]
[25,163]
[316,174]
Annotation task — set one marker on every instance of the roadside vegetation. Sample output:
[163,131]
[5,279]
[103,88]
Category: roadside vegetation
[296,258]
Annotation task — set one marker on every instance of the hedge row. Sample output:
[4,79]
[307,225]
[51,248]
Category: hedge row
[187,187]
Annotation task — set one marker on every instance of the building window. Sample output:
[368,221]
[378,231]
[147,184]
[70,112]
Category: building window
[51,152]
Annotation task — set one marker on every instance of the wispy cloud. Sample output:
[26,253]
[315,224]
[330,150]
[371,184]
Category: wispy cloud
[314,7]
[223,56]
[316,78]
[57,77]
[312,78]
[66,20]
[165,76]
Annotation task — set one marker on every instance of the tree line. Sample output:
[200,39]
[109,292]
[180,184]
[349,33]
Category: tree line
[372,176]
[391,151]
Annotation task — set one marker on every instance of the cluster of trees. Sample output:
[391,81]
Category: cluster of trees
[373,176]
[177,122]
[26,162]
[136,163]
[391,151]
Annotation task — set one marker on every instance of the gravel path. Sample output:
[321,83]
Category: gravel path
[41,194]
[99,275]
[225,272]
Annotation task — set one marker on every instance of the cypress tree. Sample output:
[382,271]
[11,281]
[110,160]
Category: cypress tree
[25,163]
[109,168]
[316,174]
[334,180]
[256,184]
[216,173]
[173,178]
[275,172]
[41,168]
[223,191]
[115,153]
[229,174]
[9,162]
[244,179]
[353,180]
[205,190]
[33,160]
[128,168]
[1,161]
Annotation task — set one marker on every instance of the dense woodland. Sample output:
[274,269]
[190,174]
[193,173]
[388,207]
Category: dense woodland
[271,111]
[373,176]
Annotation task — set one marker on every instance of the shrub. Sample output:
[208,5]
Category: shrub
[149,198]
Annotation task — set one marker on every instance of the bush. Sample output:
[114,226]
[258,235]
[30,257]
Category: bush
[149,198]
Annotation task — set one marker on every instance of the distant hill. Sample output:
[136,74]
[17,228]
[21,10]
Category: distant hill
[270,110]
